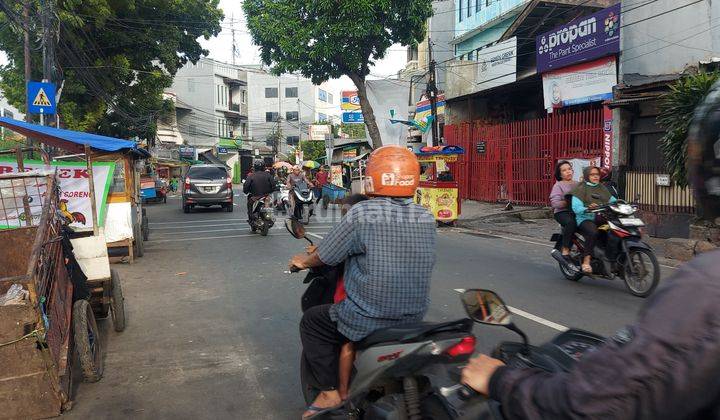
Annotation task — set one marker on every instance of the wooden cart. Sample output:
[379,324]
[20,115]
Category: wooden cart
[39,333]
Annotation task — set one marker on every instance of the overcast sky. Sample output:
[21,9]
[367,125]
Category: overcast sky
[220,47]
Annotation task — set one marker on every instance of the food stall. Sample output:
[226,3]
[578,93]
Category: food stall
[438,191]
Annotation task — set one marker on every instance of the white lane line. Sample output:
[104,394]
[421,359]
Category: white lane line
[314,235]
[531,317]
[207,238]
[194,226]
[509,238]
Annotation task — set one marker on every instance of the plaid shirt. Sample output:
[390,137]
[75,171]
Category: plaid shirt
[388,246]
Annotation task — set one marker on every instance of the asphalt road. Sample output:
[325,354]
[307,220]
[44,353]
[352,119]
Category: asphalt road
[213,319]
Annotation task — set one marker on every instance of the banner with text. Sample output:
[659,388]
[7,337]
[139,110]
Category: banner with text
[350,101]
[583,39]
[74,191]
[497,65]
[579,84]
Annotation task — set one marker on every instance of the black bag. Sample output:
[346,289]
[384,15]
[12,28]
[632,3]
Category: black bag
[321,289]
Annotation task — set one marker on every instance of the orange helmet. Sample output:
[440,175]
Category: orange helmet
[392,171]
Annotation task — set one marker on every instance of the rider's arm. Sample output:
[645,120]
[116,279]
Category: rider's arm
[247,186]
[613,199]
[341,242]
[578,207]
[666,364]
[557,199]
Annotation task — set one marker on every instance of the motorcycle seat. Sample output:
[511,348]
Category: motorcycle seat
[413,332]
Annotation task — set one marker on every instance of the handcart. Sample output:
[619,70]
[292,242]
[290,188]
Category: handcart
[40,322]
[438,190]
[331,193]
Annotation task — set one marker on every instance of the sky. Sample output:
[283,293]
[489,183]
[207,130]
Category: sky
[220,47]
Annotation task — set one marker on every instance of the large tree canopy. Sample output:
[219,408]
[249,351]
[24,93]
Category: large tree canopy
[114,57]
[324,39]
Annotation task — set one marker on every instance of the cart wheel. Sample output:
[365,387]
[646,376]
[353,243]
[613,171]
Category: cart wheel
[165,199]
[87,341]
[138,245]
[117,302]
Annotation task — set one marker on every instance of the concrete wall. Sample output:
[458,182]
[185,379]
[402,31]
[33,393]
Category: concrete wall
[667,44]
[498,9]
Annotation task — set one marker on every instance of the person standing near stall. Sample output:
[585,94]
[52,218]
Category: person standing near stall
[321,178]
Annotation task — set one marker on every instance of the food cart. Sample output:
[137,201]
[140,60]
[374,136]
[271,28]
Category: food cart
[438,191]
[41,323]
[123,219]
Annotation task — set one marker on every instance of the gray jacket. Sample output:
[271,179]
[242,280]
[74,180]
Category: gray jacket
[667,367]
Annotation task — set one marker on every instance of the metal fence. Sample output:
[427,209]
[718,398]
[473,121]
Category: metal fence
[515,161]
[642,186]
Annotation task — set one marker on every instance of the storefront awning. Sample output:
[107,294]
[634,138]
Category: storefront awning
[71,141]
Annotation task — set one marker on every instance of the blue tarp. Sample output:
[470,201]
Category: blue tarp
[70,140]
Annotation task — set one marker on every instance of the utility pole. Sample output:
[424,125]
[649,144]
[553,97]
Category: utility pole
[232,30]
[26,50]
[432,94]
[278,132]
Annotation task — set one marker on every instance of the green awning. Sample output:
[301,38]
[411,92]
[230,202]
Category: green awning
[230,143]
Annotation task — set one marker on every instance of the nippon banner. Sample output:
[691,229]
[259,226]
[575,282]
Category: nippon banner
[579,84]
[74,192]
[583,39]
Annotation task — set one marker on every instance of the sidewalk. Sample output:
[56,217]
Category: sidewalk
[531,223]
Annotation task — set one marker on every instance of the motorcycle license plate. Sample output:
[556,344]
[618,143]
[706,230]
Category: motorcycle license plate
[632,222]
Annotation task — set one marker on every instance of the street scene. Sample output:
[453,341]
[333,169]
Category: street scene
[438,209]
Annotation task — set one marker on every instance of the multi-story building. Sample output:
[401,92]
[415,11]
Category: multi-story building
[9,111]
[211,99]
[287,103]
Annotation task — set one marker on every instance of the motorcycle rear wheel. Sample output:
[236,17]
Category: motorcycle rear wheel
[642,284]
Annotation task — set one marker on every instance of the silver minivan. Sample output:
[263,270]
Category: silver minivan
[207,185]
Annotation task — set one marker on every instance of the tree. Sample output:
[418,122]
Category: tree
[324,39]
[354,131]
[312,150]
[115,58]
[676,112]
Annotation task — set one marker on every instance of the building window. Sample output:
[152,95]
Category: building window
[191,85]
[488,2]
[291,116]
[322,117]
[292,140]
[243,129]
[478,5]
[271,116]
[331,98]
[291,92]
[471,55]
[271,92]
[322,95]
[461,5]
[224,128]
[192,129]
[469,8]
[243,96]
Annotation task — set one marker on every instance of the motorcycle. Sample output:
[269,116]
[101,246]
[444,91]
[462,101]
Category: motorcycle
[556,356]
[262,217]
[303,202]
[282,202]
[619,250]
[399,370]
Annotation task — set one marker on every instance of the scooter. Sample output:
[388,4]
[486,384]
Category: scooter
[398,371]
[283,199]
[555,356]
[262,217]
[619,250]
[303,199]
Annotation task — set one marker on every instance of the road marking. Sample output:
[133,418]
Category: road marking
[314,235]
[531,317]
[199,226]
[509,238]
[207,238]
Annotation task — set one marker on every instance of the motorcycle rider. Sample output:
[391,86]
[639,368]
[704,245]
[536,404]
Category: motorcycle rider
[388,246]
[666,365]
[258,184]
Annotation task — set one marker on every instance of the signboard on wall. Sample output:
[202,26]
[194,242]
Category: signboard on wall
[74,192]
[579,84]
[350,101]
[497,65]
[580,40]
[353,118]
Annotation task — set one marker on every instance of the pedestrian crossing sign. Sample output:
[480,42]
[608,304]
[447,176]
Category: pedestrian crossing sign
[41,98]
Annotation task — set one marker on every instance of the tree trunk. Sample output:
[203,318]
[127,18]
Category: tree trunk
[367,110]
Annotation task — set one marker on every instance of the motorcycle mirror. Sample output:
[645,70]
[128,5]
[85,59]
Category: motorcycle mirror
[486,307]
[295,228]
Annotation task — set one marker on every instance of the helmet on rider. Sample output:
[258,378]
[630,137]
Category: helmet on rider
[392,171]
[258,165]
[704,155]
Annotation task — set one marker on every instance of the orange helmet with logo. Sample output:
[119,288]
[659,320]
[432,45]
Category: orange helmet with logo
[392,171]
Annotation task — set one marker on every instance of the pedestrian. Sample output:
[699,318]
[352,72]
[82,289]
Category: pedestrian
[321,178]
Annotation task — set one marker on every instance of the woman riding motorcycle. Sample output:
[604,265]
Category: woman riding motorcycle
[588,195]
[561,205]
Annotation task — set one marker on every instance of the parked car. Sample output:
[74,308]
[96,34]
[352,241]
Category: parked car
[207,185]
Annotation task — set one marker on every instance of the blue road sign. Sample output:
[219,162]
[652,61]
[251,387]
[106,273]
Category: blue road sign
[353,118]
[41,98]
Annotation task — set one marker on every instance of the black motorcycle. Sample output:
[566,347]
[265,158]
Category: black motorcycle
[262,217]
[619,250]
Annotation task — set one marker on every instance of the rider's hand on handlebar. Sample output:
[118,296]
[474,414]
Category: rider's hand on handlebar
[478,372]
[593,205]
[310,249]
[297,263]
